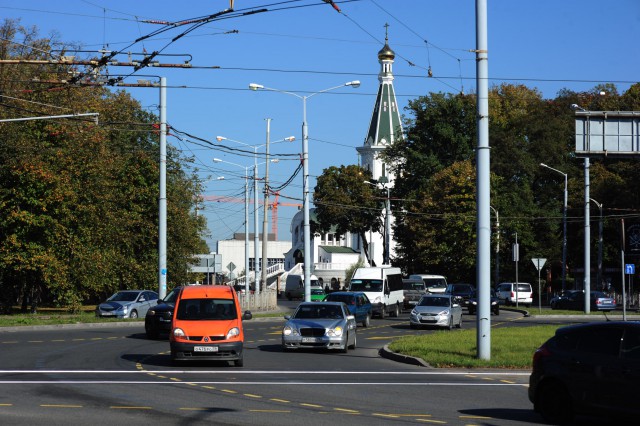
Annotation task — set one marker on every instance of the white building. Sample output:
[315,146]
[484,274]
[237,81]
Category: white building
[232,254]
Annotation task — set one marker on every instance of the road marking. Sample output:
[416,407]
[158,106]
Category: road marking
[270,411]
[60,406]
[431,421]
[124,407]
[395,415]
[279,400]
[6,405]
[250,395]
[305,404]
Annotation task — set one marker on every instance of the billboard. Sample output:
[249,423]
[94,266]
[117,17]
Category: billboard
[607,133]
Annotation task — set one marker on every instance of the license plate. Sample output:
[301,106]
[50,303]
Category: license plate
[205,349]
[309,340]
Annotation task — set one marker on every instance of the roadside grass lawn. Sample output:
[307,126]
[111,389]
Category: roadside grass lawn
[55,316]
[511,347]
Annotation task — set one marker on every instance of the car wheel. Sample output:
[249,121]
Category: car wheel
[355,342]
[451,322]
[459,322]
[383,312]
[289,296]
[497,310]
[345,348]
[554,403]
[367,321]
[472,311]
[133,314]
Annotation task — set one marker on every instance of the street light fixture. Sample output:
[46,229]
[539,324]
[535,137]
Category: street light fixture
[564,227]
[256,236]
[305,174]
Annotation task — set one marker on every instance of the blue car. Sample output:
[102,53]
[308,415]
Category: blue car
[357,302]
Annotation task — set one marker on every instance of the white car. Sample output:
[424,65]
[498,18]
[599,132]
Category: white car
[438,310]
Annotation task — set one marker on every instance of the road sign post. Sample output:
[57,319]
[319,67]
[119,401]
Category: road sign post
[539,262]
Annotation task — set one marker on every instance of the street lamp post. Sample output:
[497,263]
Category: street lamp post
[246,221]
[256,241]
[305,175]
[564,227]
[599,275]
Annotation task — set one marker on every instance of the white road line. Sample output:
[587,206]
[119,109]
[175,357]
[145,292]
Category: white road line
[285,372]
[269,383]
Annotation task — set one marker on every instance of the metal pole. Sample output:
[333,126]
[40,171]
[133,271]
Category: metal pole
[247,288]
[587,240]
[387,230]
[483,255]
[265,216]
[599,270]
[497,272]
[564,236]
[305,203]
[256,212]
[162,199]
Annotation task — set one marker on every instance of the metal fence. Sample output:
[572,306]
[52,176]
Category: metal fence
[265,301]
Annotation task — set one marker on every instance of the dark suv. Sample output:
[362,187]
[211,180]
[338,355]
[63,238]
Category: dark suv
[588,369]
[461,292]
[159,317]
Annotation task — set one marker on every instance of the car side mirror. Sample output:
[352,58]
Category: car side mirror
[247,315]
[287,317]
[142,299]
[455,305]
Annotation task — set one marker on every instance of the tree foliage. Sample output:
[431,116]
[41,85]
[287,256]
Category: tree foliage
[345,203]
[80,199]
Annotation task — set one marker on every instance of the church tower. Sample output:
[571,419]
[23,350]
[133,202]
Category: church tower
[384,129]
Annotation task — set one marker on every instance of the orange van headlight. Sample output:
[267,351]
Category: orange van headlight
[235,331]
[178,332]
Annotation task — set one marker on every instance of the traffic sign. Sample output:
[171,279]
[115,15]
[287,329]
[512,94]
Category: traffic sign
[629,269]
[538,262]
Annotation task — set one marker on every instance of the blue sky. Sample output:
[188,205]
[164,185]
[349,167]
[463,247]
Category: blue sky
[305,46]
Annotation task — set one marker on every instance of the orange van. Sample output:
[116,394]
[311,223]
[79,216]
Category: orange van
[207,325]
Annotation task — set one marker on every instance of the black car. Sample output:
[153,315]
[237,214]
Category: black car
[574,300]
[473,303]
[159,317]
[588,369]
[460,292]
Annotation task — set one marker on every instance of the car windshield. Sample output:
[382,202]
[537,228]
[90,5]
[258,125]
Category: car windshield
[124,296]
[172,296]
[413,286]
[366,285]
[434,301]
[206,309]
[435,282]
[461,288]
[346,298]
[318,312]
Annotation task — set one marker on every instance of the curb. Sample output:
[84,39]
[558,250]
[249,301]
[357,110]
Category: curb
[387,353]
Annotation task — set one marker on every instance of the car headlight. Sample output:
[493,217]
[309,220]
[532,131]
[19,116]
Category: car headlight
[178,332]
[445,312]
[494,302]
[414,312]
[378,299]
[335,332]
[288,331]
[235,331]
[151,312]
[474,302]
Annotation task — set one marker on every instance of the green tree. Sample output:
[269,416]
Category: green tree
[344,202]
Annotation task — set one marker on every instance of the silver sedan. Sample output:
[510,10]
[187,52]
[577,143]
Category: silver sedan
[320,325]
[436,310]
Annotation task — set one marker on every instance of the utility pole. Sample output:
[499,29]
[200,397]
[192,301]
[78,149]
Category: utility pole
[265,229]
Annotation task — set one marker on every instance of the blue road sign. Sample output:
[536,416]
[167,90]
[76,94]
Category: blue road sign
[629,269]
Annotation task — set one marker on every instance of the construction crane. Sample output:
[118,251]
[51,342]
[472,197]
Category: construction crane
[273,206]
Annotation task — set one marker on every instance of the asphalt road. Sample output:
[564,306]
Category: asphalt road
[114,375]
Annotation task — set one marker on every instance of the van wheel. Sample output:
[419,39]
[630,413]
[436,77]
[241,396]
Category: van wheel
[383,312]
[239,362]
[367,321]
[396,311]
